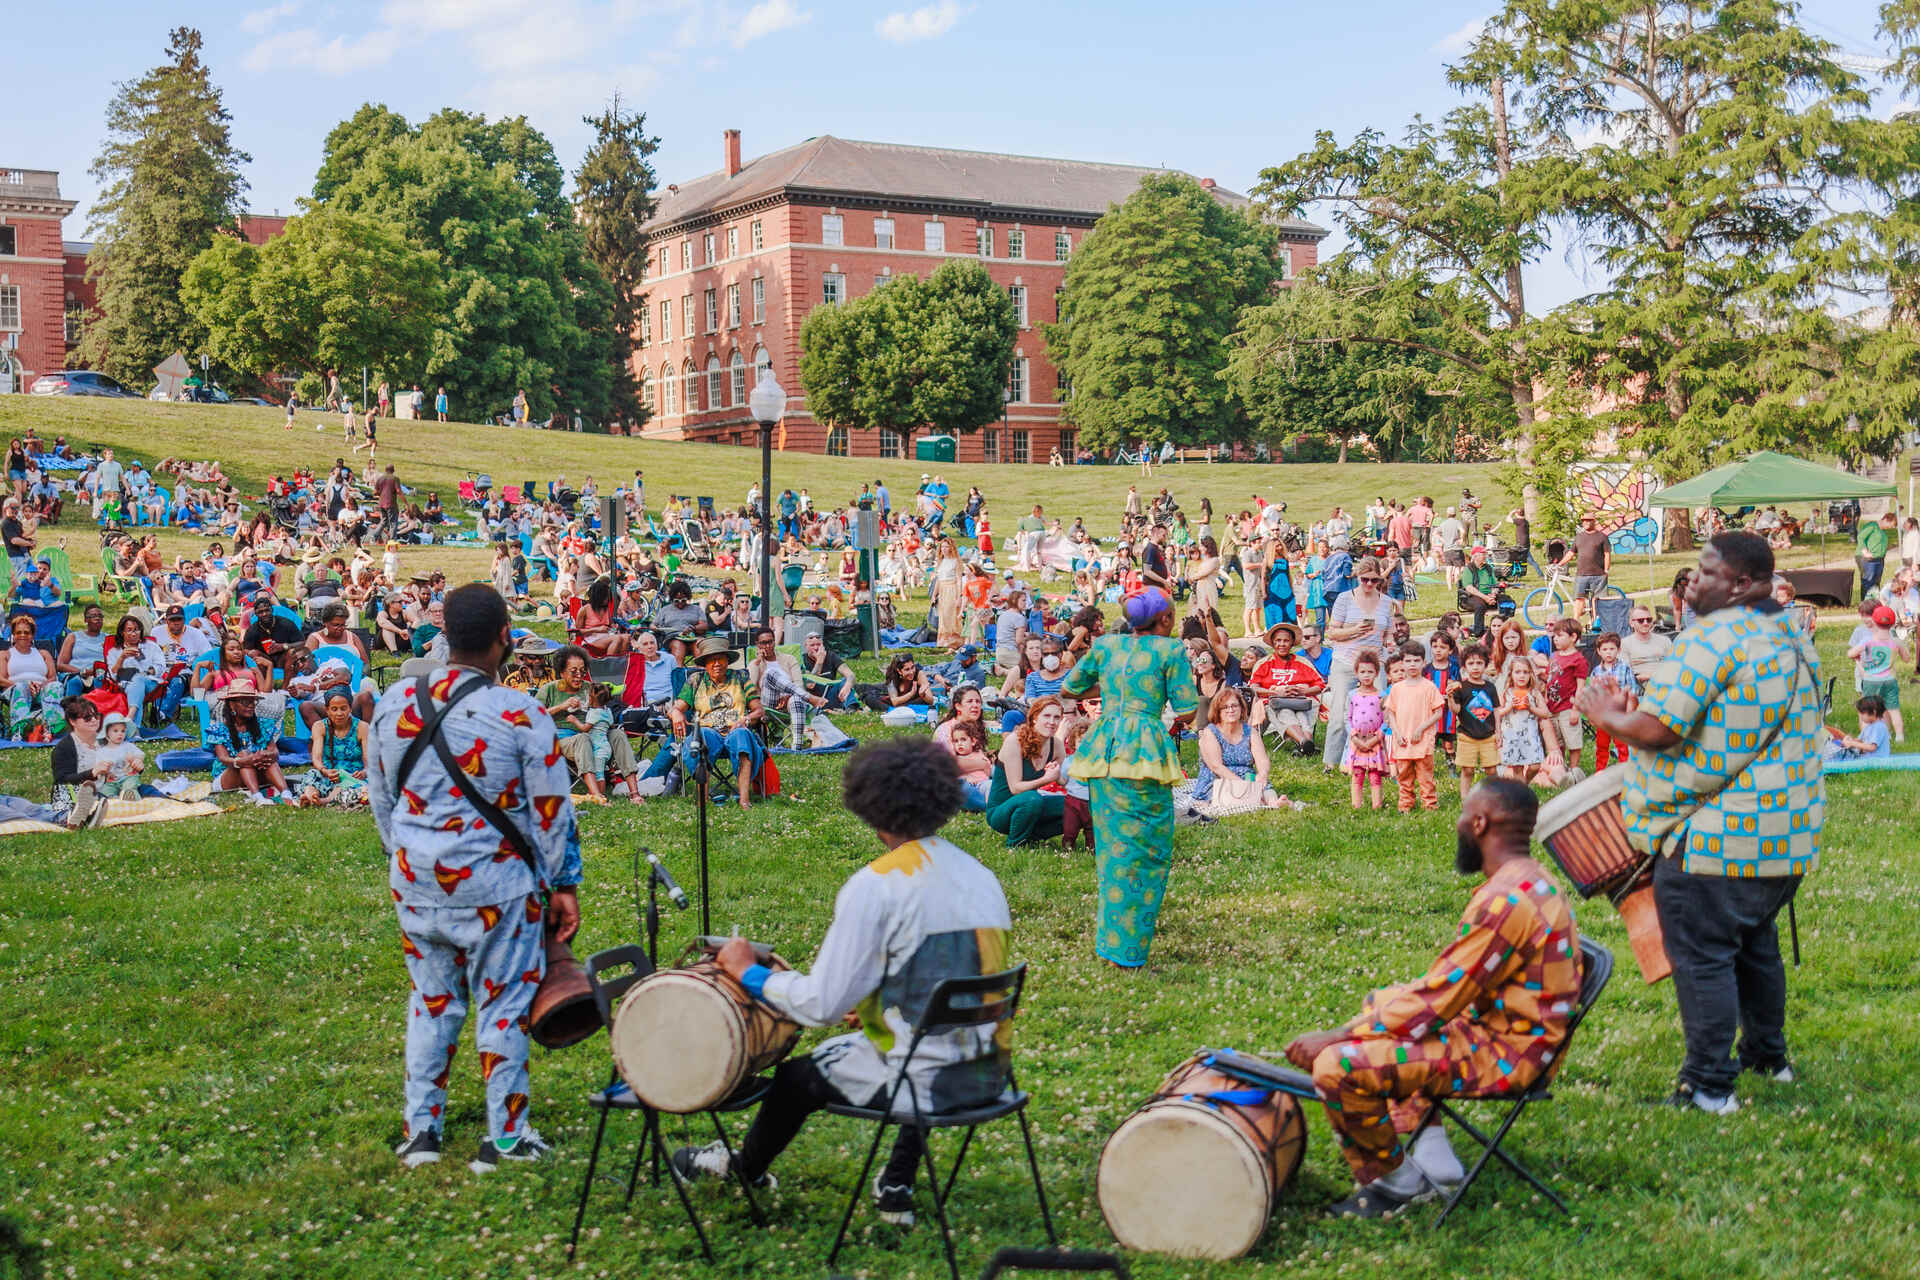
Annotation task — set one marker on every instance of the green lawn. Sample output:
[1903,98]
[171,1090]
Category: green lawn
[202,1053]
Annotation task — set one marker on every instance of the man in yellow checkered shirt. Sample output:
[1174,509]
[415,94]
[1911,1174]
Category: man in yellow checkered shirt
[1725,788]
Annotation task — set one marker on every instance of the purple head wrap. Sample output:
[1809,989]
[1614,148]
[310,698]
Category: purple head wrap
[1142,607]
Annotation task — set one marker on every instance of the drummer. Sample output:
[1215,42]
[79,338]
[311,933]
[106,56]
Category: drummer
[922,912]
[1487,1018]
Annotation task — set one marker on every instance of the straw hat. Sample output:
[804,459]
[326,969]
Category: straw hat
[1293,632]
[713,647]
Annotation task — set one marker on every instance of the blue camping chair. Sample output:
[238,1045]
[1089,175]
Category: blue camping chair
[202,709]
[49,622]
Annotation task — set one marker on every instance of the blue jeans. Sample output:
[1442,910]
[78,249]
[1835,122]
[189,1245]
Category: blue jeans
[170,698]
[973,796]
[737,744]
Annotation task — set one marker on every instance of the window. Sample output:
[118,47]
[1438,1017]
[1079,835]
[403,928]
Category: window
[690,379]
[733,306]
[990,444]
[712,301]
[1069,443]
[1286,264]
[75,318]
[762,364]
[666,321]
[983,242]
[686,315]
[646,393]
[739,369]
[836,442]
[891,445]
[883,233]
[759,300]
[664,260]
[759,241]
[716,384]
[646,326]
[936,237]
[733,242]
[1018,292]
[1016,244]
[686,255]
[706,243]
[1062,246]
[1019,446]
[10,241]
[9,306]
[833,287]
[666,389]
[1017,382]
[832,229]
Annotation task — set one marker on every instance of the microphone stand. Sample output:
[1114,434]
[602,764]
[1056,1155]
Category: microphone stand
[700,782]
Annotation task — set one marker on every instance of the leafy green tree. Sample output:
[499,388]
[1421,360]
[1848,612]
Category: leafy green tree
[914,353]
[170,184]
[524,306]
[1707,151]
[613,196]
[334,291]
[1147,306]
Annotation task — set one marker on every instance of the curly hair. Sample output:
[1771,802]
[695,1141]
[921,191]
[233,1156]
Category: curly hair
[903,786]
[1030,739]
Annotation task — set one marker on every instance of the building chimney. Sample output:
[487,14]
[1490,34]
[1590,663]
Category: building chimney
[732,137]
[1206,184]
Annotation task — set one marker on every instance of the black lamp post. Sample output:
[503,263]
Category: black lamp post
[768,404]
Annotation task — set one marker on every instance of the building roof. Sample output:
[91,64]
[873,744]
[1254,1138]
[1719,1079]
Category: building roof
[829,165]
[79,247]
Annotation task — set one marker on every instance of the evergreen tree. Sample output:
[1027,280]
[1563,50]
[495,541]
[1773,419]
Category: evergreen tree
[1147,307]
[613,195]
[170,183]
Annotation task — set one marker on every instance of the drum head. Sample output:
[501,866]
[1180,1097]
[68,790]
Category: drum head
[1577,799]
[1176,1178]
[679,1041]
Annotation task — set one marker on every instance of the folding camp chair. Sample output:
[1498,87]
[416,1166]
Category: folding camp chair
[615,1096]
[954,1005]
[1598,968]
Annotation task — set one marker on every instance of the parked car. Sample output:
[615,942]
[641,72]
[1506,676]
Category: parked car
[194,395]
[79,382]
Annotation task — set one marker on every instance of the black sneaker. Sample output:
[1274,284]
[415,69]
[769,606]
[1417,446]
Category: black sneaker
[422,1148]
[893,1203]
[690,1164]
[1368,1202]
[1780,1072]
[528,1148]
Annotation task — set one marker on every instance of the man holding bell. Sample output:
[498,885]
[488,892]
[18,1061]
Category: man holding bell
[482,856]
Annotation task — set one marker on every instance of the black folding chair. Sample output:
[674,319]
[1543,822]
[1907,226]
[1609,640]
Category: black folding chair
[615,1097]
[955,1004]
[1598,962]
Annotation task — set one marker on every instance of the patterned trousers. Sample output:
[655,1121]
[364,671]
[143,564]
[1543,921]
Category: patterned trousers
[1376,1091]
[1133,849]
[492,959]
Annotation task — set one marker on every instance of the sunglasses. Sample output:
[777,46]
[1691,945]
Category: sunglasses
[1369,579]
[1637,621]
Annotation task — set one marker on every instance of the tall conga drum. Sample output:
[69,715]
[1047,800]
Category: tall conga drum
[1195,1172]
[1585,832]
[685,1039]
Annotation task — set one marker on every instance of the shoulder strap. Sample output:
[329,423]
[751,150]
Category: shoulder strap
[431,735]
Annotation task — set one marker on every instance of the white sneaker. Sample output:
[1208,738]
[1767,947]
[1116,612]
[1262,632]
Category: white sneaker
[1433,1155]
[1714,1104]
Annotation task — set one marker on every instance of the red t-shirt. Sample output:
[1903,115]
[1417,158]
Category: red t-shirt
[1274,672]
[1564,673]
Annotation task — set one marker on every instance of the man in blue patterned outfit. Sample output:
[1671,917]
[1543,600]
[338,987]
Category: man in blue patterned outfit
[471,906]
[1725,790]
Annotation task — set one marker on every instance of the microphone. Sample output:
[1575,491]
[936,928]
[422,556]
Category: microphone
[664,878]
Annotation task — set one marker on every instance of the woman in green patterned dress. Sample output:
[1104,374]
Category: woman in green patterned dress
[1130,763]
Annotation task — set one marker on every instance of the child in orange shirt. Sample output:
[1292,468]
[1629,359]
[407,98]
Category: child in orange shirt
[1414,708]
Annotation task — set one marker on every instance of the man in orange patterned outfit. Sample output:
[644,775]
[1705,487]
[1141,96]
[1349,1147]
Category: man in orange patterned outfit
[1488,1017]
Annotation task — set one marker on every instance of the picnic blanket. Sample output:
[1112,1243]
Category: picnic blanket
[294,753]
[835,749]
[133,811]
[48,462]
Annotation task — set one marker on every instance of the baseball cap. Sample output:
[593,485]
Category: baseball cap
[174,611]
[1883,616]
[968,651]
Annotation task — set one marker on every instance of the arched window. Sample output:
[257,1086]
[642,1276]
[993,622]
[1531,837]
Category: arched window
[739,378]
[646,392]
[716,384]
[667,396]
[690,378]
[762,363]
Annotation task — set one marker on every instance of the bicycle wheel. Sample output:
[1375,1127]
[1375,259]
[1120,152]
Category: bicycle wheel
[1546,605]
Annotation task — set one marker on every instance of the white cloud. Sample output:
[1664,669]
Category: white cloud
[440,16]
[922,24]
[306,49]
[557,34]
[766,18]
[260,21]
[1458,42]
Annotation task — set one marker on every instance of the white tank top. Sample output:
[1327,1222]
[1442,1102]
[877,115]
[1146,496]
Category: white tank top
[31,665]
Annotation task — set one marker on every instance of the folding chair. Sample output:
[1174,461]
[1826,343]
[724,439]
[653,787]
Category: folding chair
[1598,969]
[954,1005]
[616,1097]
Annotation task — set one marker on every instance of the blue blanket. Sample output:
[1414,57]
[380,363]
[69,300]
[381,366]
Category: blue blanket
[848,745]
[295,753]
[170,733]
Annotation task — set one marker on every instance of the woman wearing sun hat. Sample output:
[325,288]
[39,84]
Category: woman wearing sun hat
[1130,763]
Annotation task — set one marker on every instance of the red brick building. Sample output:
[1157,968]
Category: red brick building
[737,259]
[255,228]
[31,264]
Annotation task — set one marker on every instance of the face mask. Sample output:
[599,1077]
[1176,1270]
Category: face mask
[1051,662]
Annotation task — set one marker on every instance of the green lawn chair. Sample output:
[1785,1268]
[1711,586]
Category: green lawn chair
[112,585]
[74,587]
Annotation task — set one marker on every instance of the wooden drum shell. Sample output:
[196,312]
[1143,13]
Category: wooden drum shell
[685,1039]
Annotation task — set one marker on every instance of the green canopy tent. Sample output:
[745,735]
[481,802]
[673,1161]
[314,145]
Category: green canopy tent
[1770,477]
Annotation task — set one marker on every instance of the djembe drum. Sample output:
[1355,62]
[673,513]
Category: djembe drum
[1585,832]
[685,1039]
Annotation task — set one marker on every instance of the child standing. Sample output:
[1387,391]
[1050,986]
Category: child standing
[597,723]
[1611,666]
[1523,747]
[1442,667]
[1566,674]
[1413,712]
[124,758]
[1476,704]
[1876,653]
[1079,812]
[1366,756]
[1873,738]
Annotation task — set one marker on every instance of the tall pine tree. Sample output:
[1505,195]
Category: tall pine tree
[613,198]
[171,182]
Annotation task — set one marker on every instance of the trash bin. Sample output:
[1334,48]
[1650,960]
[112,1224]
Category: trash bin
[803,623]
[935,449]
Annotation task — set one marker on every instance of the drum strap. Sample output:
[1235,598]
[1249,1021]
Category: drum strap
[430,735]
[1232,1097]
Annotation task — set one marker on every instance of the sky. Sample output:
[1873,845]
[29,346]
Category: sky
[1220,91]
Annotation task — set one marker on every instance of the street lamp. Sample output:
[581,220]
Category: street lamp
[768,404]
